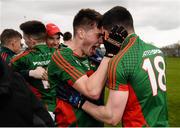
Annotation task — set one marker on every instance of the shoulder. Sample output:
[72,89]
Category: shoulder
[21,55]
[62,54]
[4,56]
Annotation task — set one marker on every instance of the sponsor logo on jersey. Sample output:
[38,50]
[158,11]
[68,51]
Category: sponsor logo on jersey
[151,52]
[41,63]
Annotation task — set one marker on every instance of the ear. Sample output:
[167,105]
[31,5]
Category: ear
[81,33]
[33,41]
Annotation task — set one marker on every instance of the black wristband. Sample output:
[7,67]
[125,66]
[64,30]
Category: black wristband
[81,102]
[110,55]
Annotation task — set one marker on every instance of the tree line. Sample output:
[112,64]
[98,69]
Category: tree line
[172,50]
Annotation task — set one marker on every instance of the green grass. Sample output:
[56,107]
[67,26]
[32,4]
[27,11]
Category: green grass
[173,91]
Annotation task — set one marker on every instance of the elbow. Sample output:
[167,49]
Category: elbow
[93,93]
[94,96]
[112,123]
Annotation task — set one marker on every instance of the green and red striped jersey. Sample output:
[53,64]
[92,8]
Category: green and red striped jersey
[40,55]
[64,69]
[6,54]
[140,68]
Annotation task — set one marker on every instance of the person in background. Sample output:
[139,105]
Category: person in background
[10,44]
[53,36]
[19,106]
[32,63]
[67,38]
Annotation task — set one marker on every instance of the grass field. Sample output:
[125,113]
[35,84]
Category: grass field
[173,90]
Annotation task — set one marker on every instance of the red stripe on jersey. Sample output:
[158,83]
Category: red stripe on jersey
[133,115]
[65,115]
[114,63]
[55,59]
[4,56]
[67,63]
[71,70]
[123,87]
[35,92]
[21,55]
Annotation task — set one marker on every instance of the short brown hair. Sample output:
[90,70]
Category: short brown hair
[9,34]
[86,18]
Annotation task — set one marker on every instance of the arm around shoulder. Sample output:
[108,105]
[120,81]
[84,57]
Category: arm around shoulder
[113,111]
[93,85]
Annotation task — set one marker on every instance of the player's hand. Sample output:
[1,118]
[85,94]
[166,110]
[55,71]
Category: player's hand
[38,73]
[70,95]
[113,41]
[45,76]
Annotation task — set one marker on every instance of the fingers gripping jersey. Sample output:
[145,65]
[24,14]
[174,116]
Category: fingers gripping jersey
[64,69]
[140,67]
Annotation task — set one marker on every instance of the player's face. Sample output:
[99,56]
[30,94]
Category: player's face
[17,45]
[53,41]
[92,41]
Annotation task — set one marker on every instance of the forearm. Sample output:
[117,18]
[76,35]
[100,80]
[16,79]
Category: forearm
[101,113]
[96,81]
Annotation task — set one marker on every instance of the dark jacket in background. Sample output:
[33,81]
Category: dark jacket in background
[18,105]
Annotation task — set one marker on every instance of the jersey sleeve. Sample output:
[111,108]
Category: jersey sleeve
[20,62]
[53,73]
[117,78]
[21,67]
[68,68]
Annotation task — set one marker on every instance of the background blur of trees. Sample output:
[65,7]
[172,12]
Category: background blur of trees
[172,50]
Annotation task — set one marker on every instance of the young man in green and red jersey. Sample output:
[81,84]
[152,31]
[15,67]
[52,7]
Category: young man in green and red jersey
[10,44]
[32,63]
[136,78]
[70,67]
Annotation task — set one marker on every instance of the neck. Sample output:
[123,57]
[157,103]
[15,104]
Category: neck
[76,47]
[130,34]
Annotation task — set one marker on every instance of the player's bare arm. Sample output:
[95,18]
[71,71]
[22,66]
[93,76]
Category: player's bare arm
[93,85]
[112,112]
